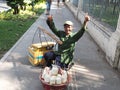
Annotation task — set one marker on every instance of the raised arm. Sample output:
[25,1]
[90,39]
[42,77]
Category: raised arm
[87,18]
[79,34]
[51,25]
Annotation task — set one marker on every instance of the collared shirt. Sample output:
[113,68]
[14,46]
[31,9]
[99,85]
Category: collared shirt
[66,50]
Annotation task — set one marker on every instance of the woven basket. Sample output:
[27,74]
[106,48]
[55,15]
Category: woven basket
[47,86]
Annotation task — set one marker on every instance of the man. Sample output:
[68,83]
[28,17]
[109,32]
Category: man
[48,4]
[58,2]
[64,56]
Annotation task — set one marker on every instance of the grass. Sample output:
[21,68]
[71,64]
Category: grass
[12,27]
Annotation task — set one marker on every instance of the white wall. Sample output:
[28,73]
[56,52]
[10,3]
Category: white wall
[107,40]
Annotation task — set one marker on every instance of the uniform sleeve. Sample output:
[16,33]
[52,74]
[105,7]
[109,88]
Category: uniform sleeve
[75,37]
[53,28]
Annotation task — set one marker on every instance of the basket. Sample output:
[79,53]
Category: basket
[36,52]
[47,86]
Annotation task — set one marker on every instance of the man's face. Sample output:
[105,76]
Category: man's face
[68,29]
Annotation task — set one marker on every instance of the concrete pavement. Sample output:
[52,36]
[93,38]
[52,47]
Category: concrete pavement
[90,72]
[3,6]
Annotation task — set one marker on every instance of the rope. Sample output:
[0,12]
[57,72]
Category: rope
[49,47]
[34,36]
[40,35]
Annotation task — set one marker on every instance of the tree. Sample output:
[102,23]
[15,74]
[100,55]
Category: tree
[15,4]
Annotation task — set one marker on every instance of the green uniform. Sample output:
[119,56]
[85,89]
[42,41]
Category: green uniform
[66,50]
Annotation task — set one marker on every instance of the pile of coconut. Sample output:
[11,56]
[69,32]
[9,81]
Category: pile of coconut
[54,75]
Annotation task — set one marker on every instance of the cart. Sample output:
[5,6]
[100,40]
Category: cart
[37,50]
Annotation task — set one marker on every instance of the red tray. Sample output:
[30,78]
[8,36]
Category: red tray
[47,86]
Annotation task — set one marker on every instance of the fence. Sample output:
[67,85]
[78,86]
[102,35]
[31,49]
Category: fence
[106,11]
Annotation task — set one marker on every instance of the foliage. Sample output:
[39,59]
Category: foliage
[12,27]
[16,5]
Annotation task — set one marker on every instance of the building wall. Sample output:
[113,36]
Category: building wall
[107,40]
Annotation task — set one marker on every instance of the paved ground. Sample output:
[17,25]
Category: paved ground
[3,6]
[90,72]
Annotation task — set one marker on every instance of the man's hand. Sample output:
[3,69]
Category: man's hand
[50,18]
[87,17]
